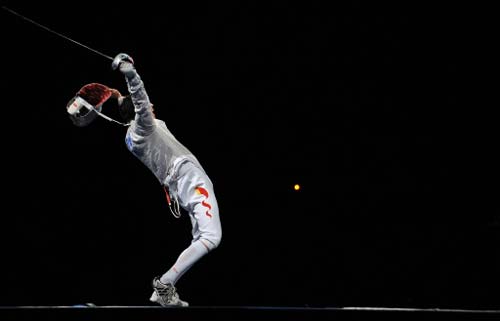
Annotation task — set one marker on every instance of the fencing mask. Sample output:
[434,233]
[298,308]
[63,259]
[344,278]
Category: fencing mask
[87,104]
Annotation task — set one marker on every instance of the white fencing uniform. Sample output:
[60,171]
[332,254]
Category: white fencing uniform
[177,169]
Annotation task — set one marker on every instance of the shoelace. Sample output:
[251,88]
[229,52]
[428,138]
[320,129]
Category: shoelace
[168,293]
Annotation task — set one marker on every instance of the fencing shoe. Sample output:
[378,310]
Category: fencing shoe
[166,295]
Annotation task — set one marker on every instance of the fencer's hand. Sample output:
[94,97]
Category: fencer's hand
[125,63]
[127,68]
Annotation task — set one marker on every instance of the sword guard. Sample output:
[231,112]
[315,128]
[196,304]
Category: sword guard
[119,59]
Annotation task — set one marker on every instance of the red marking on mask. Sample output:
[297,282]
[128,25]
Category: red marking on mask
[204,192]
[95,93]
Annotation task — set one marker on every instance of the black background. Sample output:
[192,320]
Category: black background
[360,103]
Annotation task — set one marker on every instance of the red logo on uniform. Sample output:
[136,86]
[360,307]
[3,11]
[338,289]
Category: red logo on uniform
[204,192]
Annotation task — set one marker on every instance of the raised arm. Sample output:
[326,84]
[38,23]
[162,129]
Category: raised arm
[143,108]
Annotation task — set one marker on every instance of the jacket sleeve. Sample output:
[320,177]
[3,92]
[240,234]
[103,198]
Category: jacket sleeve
[144,116]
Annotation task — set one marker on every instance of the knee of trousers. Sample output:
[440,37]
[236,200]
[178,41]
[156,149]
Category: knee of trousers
[212,241]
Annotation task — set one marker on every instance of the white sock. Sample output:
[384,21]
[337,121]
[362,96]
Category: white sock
[187,258]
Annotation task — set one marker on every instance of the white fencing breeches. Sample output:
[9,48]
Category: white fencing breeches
[196,195]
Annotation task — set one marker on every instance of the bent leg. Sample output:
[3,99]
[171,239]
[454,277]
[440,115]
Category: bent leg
[196,194]
[184,262]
